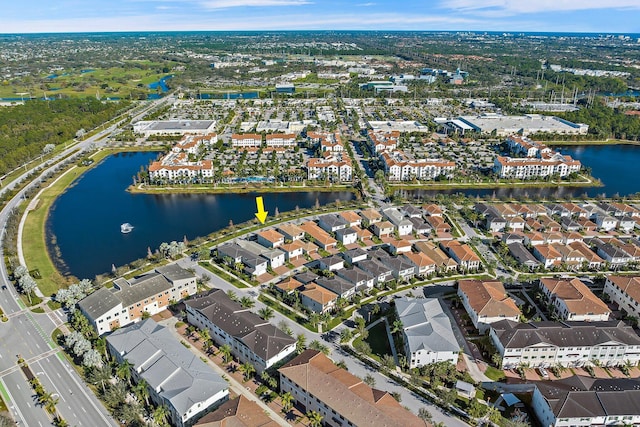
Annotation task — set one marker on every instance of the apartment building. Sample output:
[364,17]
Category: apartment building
[128,300]
[246,140]
[399,167]
[251,338]
[625,291]
[341,398]
[569,344]
[573,300]
[528,168]
[487,302]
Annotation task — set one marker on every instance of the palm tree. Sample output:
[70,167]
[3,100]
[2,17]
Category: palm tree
[247,370]
[247,302]
[266,313]
[301,343]
[287,401]
[160,415]
[207,346]
[205,335]
[225,351]
[315,419]
[50,405]
[115,394]
[369,380]
[123,371]
[190,330]
[397,326]
[142,390]
[100,376]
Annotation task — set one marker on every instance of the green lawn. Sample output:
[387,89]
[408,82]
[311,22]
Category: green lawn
[494,374]
[378,340]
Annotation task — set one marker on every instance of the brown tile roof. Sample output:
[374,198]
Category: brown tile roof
[576,295]
[239,412]
[350,216]
[319,294]
[488,298]
[628,284]
[271,235]
[289,284]
[347,394]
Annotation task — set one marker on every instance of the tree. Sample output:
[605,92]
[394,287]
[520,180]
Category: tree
[191,330]
[388,362]
[141,390]
[99,375]
[115,395]
[232,295]
[92,359]
[247,302]
[205,335]
[397,326]
[160,415]
[315,419]
[28,285]
[20,271]
[266,313]
[317,345]
[123,371]
[287,401]
[345,335]
[425,415]
[248,370]
[225,351]
[369,380]
[81,347]
[301,343]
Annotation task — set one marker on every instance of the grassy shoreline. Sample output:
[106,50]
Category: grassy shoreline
[596,142]
[34,245]
[495,185]
[227,189]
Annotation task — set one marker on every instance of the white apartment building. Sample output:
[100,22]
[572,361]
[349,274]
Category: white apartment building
[281,140]
[527,168]
[544,344]
[573,300]
[336,167]
[399,167]
[246,140]
[625,291]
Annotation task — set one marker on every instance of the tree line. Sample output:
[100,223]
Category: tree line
[26,129]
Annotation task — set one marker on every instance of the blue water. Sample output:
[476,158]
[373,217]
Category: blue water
[84,222]
[162,84]
[87,70]
[52,76]
[615,165]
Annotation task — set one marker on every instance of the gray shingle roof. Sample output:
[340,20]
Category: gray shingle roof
[264,339]
[163,362]
[426,325]
[98,303]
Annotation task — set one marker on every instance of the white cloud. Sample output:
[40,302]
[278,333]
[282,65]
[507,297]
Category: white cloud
[516,7]
[226,4]
[366,4]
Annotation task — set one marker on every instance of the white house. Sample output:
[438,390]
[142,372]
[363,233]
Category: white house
[487,302]
[573,300]
[625,291]
[428,335]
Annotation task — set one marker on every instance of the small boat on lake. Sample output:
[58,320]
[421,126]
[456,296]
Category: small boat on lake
[126,228]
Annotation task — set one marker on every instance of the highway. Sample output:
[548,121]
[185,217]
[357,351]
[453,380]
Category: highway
[29,334]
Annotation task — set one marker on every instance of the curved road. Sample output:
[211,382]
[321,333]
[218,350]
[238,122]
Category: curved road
[28,334]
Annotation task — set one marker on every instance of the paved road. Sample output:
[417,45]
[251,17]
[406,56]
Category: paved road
[28,334]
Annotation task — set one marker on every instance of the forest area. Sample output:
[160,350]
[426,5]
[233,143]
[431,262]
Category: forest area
[26,129]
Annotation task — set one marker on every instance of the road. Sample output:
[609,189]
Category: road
[28,334]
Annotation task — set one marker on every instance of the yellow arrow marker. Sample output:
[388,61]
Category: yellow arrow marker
[261,214]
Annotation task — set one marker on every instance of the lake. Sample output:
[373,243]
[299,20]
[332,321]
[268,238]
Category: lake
[84,223]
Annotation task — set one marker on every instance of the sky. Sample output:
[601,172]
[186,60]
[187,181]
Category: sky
[591,16]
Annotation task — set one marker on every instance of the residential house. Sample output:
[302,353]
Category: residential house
[443,262]
[420,226]
[347,236]
[319,236]
[566,343]
[331,263]
[612,254]
[624,291]
[605,222]
[432,210]
[438,224]
[487,302]
[403,226]
[293,250]
[251,338]
[352,218]
[270,238]
[462,254]
[399,246]
[357,277]
[332,223]
[341,398]
[129,299]
[382,229]
[422,263]
[234,254]
[380,272]
[547,255]
[370,217]
[572,300]
[275,257]
[238,412]
[587,402]
[427,331]
[317,299]
[291,232]
[593,261]
[175,377]
[354,255]
[401,268]
[522,255]
[338,286]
